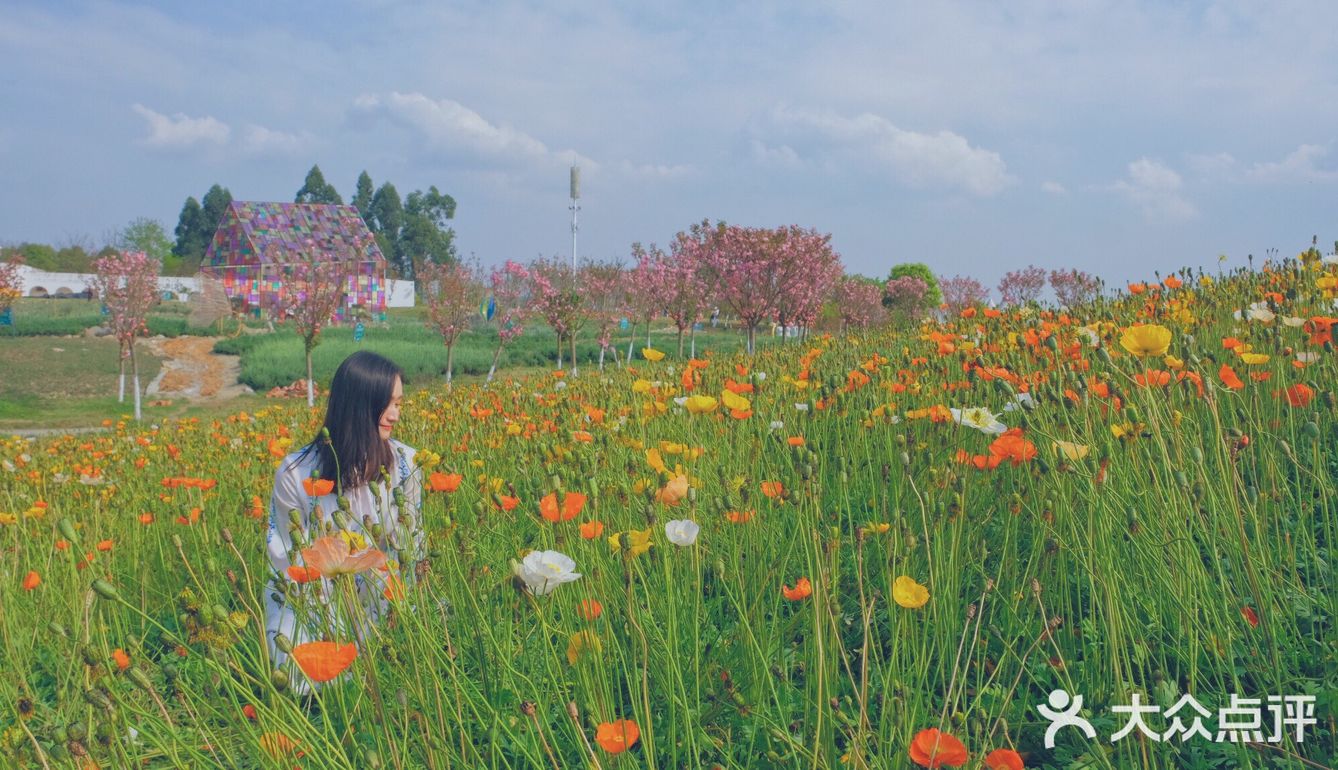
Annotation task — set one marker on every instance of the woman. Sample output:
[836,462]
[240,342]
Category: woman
[354,458]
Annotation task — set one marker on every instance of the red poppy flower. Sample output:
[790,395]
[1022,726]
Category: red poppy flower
[1007,759]
[317,487]
[932,749]
[444,482]
[802,590]
[617,736]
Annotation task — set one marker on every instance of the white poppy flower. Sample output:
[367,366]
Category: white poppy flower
[979,418]
[544,571]
[776,425]
[1289,320]
[801,407]
[1020,401]
[682,532]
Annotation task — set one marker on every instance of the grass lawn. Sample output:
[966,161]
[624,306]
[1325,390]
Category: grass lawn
[61,381]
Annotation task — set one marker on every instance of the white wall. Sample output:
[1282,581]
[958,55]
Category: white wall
[399,293]
[77,282]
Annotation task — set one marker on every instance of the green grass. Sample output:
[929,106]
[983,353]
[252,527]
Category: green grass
[64,381]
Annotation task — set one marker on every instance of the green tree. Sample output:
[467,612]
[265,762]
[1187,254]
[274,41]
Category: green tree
[147,235]
[425,236]
[316,190]
[38,256]
[933,295]
[212,209]
[362,199]
[387,220]
[190,245]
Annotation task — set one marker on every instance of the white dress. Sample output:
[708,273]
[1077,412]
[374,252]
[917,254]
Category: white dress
[401,540]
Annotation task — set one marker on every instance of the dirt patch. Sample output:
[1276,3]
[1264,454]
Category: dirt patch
[191,370]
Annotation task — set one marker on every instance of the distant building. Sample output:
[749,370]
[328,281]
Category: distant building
[256,242]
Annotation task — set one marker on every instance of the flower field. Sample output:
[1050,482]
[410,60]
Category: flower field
[878,551]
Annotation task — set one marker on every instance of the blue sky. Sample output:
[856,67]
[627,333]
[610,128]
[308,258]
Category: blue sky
[1119,137]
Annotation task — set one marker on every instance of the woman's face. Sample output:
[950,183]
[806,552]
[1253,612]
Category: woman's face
[392,413]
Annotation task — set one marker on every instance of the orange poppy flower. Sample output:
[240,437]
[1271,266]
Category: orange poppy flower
[1153,378]
[317,487]
[1171,282]
[773,489]
[504,502]
[738,388]
[1231,343]
[1007,759]
[278,745]
[323,661]
[394,590]
[444,482]
[1299,395]
[105,545]
[981,462]
[590,609]
[932,749]
[802,590]
[674,491]
[1229,378]
[591,529]
[330,556]
[572,503]
[122,660]
[249,712]
[968,312]
[1013,447]
[1192,377]
[795,440]
[1320,329]
[1137,288]
[582,436]
[740,517]
[299,574]
[31,580]
[617,736]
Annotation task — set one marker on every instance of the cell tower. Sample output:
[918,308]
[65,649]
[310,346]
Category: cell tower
[574,207]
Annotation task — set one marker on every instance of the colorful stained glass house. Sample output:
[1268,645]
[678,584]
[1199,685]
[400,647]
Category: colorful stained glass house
[257,241]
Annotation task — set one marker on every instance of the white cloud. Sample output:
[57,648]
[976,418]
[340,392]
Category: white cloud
[783,155]
[1301,165]
[1054,188]
[940,159]
[656,170]
[450,125]
[182,131]
[1155,188]
[258,140]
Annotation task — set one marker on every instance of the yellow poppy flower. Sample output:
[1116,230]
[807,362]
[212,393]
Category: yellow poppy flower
[732,400]
[1071,451]
[1146,340]
[1254,358]
[651,354]
[909,593]
[700,404]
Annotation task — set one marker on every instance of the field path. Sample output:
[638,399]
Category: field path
[191,370]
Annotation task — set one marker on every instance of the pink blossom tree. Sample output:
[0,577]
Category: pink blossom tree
[686,295]
[1074,287]
[645,290]
[127,284]
[961,292]
[906,299]
[314,288]
[1019,287]
[810,279]
[603,284]
[761,274]
[509,286]
[555,297]
[859,302]
[9,281]
[452,293]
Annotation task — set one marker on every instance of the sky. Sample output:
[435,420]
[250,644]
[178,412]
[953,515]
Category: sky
[978,137]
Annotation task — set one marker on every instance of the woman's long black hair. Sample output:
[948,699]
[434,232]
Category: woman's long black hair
[354,453]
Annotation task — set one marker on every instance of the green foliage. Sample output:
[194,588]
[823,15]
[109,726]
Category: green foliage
[362,198]
[40,256]
[147,235]
[934,295]
[316,190]
[191,239]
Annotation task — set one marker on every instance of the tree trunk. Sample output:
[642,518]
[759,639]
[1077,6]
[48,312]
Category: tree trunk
[647,332]
[450,358]
[311,386]
[631,340]
[573,354]
[134,365]
[680,342]
[752,338]
[601,358]
[693,354]
[493,369]
[120,397]
[559,351]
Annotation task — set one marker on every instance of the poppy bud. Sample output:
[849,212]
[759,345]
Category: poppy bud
[279,679]
[89,654]
[58,630]
[141,679]
[294,517]
[282,643]
[98,699]
[66,528]
[1310,430]
[1197,454]
[105,590]
[176,542]
[1103,354]
[220,614]
[227,535]
[76,731]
